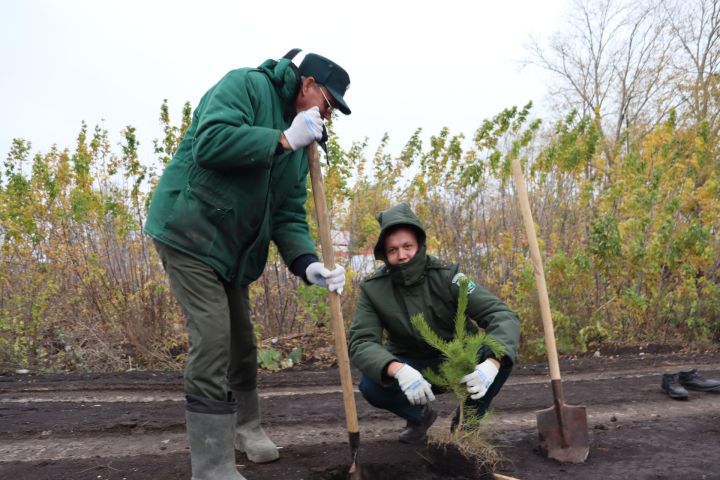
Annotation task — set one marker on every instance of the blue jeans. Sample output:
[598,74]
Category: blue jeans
[393,399]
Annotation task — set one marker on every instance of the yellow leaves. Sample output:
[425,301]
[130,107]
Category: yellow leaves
[662,193]
[626,227]
[687,195]
[707,197]
[507,290]
[657,139]
[433,243]
[599,163]
[77,267]
[506,244]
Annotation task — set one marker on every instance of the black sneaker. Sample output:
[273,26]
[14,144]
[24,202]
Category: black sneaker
[671,384]
[416,433]
[693,381]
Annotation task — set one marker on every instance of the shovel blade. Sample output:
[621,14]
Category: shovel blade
[563,432]
[355,473]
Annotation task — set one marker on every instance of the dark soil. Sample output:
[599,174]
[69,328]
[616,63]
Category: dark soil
[131,425]
[448,459]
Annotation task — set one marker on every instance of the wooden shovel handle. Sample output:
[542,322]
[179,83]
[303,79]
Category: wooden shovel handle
[338,325]
[498,476]
[539,272]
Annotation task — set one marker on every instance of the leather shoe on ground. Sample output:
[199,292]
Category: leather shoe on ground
[693,381]
[416,433]
[671,385]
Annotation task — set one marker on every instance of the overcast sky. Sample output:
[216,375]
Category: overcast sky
[411,63]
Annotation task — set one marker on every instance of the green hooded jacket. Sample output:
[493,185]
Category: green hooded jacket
[393,294]
[226,194]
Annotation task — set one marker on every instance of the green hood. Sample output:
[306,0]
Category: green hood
[400,214]
[285,78]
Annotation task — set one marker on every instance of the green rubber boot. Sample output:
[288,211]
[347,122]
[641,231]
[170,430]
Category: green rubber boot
[249,435]
[211,453]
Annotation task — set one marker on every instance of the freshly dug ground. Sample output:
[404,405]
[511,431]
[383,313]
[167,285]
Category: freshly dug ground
[131,425]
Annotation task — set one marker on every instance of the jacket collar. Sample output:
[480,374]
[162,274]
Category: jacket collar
[285,78]
[411,272]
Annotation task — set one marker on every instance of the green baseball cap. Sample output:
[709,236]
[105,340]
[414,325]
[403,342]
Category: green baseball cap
[327,73]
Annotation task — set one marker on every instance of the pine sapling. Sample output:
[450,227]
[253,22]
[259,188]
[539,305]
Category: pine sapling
[460,353]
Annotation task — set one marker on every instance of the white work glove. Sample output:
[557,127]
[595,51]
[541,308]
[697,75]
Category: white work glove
[417,390]
[480,380]
[306,127]
[319,275]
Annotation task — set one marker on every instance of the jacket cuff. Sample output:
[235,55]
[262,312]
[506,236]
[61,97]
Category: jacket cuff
[279,149]
[300,264]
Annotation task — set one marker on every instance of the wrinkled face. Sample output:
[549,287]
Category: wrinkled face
[401,246]
[312,94]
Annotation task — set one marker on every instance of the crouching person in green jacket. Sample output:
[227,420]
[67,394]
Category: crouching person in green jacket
[237,182]
[412,282]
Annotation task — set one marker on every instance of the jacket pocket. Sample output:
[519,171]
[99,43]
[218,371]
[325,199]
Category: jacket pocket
[202,221]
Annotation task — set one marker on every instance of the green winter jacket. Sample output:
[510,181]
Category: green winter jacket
[426,285]
[226,194]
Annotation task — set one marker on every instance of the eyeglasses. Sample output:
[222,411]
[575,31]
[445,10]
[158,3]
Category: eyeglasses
[329,105]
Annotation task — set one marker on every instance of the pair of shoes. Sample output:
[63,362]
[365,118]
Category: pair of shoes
[416,433]
[677,384]
[671,385]
[693,381]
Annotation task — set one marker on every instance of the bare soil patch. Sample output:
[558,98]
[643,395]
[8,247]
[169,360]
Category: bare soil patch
[131,425]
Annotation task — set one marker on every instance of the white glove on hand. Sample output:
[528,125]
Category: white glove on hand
[306,127]
[319,275]
[480,380]
[417,390]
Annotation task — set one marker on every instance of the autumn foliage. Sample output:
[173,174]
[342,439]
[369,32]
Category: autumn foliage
[628,222]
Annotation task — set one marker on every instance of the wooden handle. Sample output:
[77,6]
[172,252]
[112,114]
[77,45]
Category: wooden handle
[338,325]
[539,272]
[498,476]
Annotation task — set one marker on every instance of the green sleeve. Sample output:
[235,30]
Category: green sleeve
[492,315]
[367,352]
[226,137]
[291,233]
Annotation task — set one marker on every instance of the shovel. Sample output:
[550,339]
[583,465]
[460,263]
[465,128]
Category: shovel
[338,325]
[563,429]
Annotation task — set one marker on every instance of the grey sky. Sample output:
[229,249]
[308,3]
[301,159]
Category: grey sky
[412,64]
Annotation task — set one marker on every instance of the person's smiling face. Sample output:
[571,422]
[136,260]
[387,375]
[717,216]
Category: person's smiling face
[401,246]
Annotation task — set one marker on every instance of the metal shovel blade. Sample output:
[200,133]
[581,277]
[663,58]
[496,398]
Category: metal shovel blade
[563,433]
[355,472]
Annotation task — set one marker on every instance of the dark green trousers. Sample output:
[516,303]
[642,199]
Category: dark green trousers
[223,352]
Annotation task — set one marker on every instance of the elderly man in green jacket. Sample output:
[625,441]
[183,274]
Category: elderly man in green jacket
[410,283]
[237,182]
